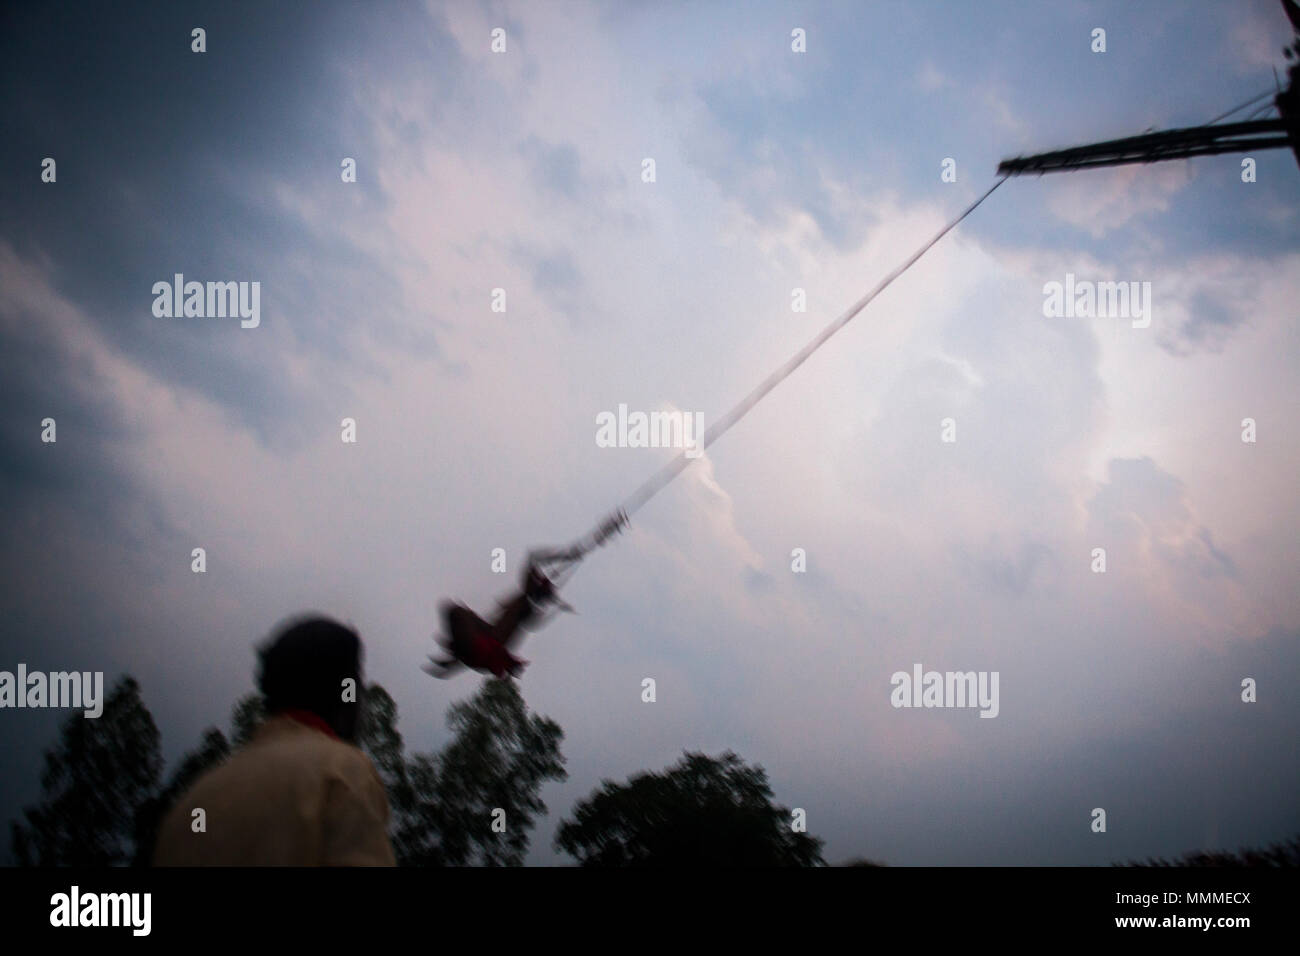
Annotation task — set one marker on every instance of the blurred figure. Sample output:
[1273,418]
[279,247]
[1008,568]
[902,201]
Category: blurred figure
[485,646]
[300,792]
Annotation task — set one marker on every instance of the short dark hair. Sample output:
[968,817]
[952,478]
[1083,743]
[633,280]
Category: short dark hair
[303,666]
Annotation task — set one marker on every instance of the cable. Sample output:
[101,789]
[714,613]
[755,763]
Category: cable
[660,479]
[1253,99]
[668,472]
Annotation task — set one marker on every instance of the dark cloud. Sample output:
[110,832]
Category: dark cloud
[174,161]
[1212,317]
[226,165]
[556,168]
[1009,572]
[555,274]
[758,582]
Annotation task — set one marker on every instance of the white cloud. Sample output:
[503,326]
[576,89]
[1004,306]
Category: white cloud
[1104,200]
[973,555]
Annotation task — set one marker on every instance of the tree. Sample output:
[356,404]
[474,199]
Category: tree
[703,811]
[246,716]
[477,800]
[1284,853]
[102,803]
[96,782]
[379,737]
[212,750]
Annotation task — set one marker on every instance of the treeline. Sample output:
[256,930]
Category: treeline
[1283,853]
[104,792]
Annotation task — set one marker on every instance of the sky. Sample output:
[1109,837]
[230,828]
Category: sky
[774,170]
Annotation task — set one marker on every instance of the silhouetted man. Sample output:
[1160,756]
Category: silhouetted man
[299,793]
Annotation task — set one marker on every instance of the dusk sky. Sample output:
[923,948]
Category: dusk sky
[775,170]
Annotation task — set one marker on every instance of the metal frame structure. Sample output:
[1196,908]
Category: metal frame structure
[1207,140]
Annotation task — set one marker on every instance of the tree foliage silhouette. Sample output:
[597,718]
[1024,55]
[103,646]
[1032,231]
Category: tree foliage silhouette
[380,738]
[245,717]
[497,760]
[1284,853]
[101,801]
[442,804]
[703,811]
[212,749]
[94,786]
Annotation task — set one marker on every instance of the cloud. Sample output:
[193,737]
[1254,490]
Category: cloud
[1208,304]
[929,77]
[521,171]
[554,274]
[1006,571]
[1154,542]
[556,168]
[1102,201]
[1144,510]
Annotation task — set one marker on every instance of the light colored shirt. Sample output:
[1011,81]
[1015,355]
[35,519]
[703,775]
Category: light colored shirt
[292,796]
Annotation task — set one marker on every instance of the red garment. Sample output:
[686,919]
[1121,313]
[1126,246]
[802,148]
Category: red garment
[474,642]
[490,655]
[310,719]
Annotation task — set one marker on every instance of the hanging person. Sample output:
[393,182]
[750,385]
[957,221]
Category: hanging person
[485,646]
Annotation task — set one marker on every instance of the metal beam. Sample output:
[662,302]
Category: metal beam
[1155,147]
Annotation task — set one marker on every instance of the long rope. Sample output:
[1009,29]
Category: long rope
[658,481]
[673,468]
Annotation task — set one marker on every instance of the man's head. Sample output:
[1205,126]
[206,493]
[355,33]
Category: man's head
[304,666]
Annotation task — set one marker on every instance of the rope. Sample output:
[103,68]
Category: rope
[1253,99]
[662,478]
[673,468]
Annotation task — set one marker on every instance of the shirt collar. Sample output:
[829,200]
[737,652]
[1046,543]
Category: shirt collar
[307,718]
